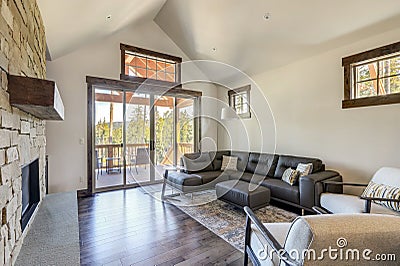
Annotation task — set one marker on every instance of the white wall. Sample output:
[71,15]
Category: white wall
[305,98]
[67,157]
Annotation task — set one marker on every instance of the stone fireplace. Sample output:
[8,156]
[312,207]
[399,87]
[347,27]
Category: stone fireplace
[22,136]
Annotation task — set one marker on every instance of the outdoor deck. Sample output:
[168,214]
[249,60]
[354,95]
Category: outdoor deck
[104,179]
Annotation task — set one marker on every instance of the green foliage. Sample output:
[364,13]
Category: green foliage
[138,130]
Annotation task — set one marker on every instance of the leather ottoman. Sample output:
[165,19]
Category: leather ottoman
[240,193]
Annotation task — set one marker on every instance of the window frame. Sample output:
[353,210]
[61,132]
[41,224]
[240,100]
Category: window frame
[236,92]
[350,63]
[133,49]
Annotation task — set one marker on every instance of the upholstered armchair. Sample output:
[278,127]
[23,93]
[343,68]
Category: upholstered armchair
[332,239]
[381,196]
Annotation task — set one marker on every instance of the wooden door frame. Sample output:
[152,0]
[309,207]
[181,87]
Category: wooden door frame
[172,89]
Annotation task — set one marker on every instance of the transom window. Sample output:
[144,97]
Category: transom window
[372,77]
[239,100]
[145,64]
[142,66]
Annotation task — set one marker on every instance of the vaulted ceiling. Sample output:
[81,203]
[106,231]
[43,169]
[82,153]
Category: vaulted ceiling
[71,24]
[244,39]
[234,32]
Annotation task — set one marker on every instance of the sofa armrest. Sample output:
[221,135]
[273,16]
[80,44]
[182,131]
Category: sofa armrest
[311,187]
[320,210]
[329,182]
[368,202]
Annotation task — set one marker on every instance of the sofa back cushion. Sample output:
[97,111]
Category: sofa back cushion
[216,158]
[196,162]
[286,161]
[262,163]
[387,176]
[243,158]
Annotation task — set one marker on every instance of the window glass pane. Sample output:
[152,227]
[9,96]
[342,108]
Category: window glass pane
[389,85]
[366,89]
[141,62]
[141,72]
[170,68]
[170,77]
[389,67]
[151,74]
[245,108]
[151,64]
[160,66]
[130,60]
[366,72]
[237,100]
[136,72]
[244,97]
[160,75]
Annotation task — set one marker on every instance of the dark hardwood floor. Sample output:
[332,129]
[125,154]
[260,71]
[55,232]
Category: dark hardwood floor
[129,227]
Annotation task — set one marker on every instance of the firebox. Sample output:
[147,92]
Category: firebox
[30,191]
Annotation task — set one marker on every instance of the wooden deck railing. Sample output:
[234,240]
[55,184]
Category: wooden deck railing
[116,151]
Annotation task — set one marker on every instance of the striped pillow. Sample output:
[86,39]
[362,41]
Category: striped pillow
[290,176]
[304,169]
[374,190]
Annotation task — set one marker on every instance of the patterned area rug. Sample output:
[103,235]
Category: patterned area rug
[225,220]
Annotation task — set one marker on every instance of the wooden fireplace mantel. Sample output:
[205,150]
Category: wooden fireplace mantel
[38,97]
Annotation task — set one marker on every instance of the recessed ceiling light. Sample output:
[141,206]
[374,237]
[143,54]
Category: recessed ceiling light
[267,16]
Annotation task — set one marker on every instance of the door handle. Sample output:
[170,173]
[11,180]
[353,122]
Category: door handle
[152,145]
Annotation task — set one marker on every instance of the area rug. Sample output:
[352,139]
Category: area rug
[223,219]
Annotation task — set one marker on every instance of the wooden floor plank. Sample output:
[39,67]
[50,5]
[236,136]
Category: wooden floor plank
[129,227]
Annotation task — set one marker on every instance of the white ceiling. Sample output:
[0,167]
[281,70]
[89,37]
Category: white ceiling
[296,29]
[236,28]
[72,23]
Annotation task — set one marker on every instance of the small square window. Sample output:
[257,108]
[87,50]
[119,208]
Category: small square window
[239,100]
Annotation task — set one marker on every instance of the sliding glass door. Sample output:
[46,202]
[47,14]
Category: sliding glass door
[137,153]
[139,134]
[109,135]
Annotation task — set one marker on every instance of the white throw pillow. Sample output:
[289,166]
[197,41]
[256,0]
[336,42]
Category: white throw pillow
[229,163]
[304,168]
[290,176]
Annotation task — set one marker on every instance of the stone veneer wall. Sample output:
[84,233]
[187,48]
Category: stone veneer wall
[22,139]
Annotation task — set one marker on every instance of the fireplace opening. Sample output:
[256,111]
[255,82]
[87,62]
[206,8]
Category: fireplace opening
[30,191]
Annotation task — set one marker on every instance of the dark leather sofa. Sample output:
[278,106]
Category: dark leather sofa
[203,170]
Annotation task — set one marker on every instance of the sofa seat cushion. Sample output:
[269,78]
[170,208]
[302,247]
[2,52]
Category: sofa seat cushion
[282,190]
[184,179]
[233,175]
[253,178]
[344,203]
[207,177]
